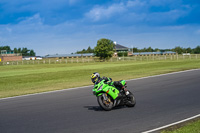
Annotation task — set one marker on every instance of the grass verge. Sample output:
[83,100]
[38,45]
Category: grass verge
[27,79]
[188,127]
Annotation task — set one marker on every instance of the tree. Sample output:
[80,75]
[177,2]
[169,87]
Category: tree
[188,50]
[5,48]
[157,50]
[104,48]
[32,53]
[89,50]
[178,49]
[15,50]
[19,50]
[197,50]
[143,50]
[134,49]
[121,54]
[83,51]
[149,49]
[25,52]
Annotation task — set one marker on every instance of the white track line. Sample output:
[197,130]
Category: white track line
[175,123]
[45,92]
[92,85]
[164,74]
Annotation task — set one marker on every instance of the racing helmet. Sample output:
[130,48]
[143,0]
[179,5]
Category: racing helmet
[95,77]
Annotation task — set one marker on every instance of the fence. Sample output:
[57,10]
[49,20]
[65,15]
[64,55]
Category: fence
[95,59]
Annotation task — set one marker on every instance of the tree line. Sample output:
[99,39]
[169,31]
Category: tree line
[24,51]
[88,50]
[178,49]
[105,49]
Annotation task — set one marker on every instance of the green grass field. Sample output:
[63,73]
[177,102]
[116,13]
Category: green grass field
[191,127]
[27,79]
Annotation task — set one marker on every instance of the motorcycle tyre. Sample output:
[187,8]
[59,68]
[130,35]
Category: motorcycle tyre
[100,102]
[132,102]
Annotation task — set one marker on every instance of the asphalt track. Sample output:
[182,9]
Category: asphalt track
[161,100]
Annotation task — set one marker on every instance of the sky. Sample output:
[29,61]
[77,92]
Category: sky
[66,26]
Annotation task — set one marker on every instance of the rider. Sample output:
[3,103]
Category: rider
[95,77]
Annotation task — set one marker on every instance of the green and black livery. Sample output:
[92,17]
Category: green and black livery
[108,96]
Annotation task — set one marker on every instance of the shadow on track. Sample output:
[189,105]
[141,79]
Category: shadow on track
[98,108]
[95,108]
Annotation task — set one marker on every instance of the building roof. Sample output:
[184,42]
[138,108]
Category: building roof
[148,53]
[69,55]
[120,47]
[29,56]
[7,52]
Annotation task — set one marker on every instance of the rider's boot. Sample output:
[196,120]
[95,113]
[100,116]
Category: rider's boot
[122,89]
[125,90]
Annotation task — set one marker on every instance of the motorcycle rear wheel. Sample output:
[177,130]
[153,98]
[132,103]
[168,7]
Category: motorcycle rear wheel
[106,105]
[131,100]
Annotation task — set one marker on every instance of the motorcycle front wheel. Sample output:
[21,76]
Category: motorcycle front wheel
[107,103]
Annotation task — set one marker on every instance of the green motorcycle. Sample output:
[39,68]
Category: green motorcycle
[108,96]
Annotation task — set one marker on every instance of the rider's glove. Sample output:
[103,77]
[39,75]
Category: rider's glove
[110,83]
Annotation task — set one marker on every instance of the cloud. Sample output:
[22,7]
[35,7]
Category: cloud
[174,28]
[9,29]
[33,20]
[55,26]
[73,2]
[198,32]
[102,12]
[53,11]
[165,18]
[139,12]
[136,3]
[164,2]
[126,12]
